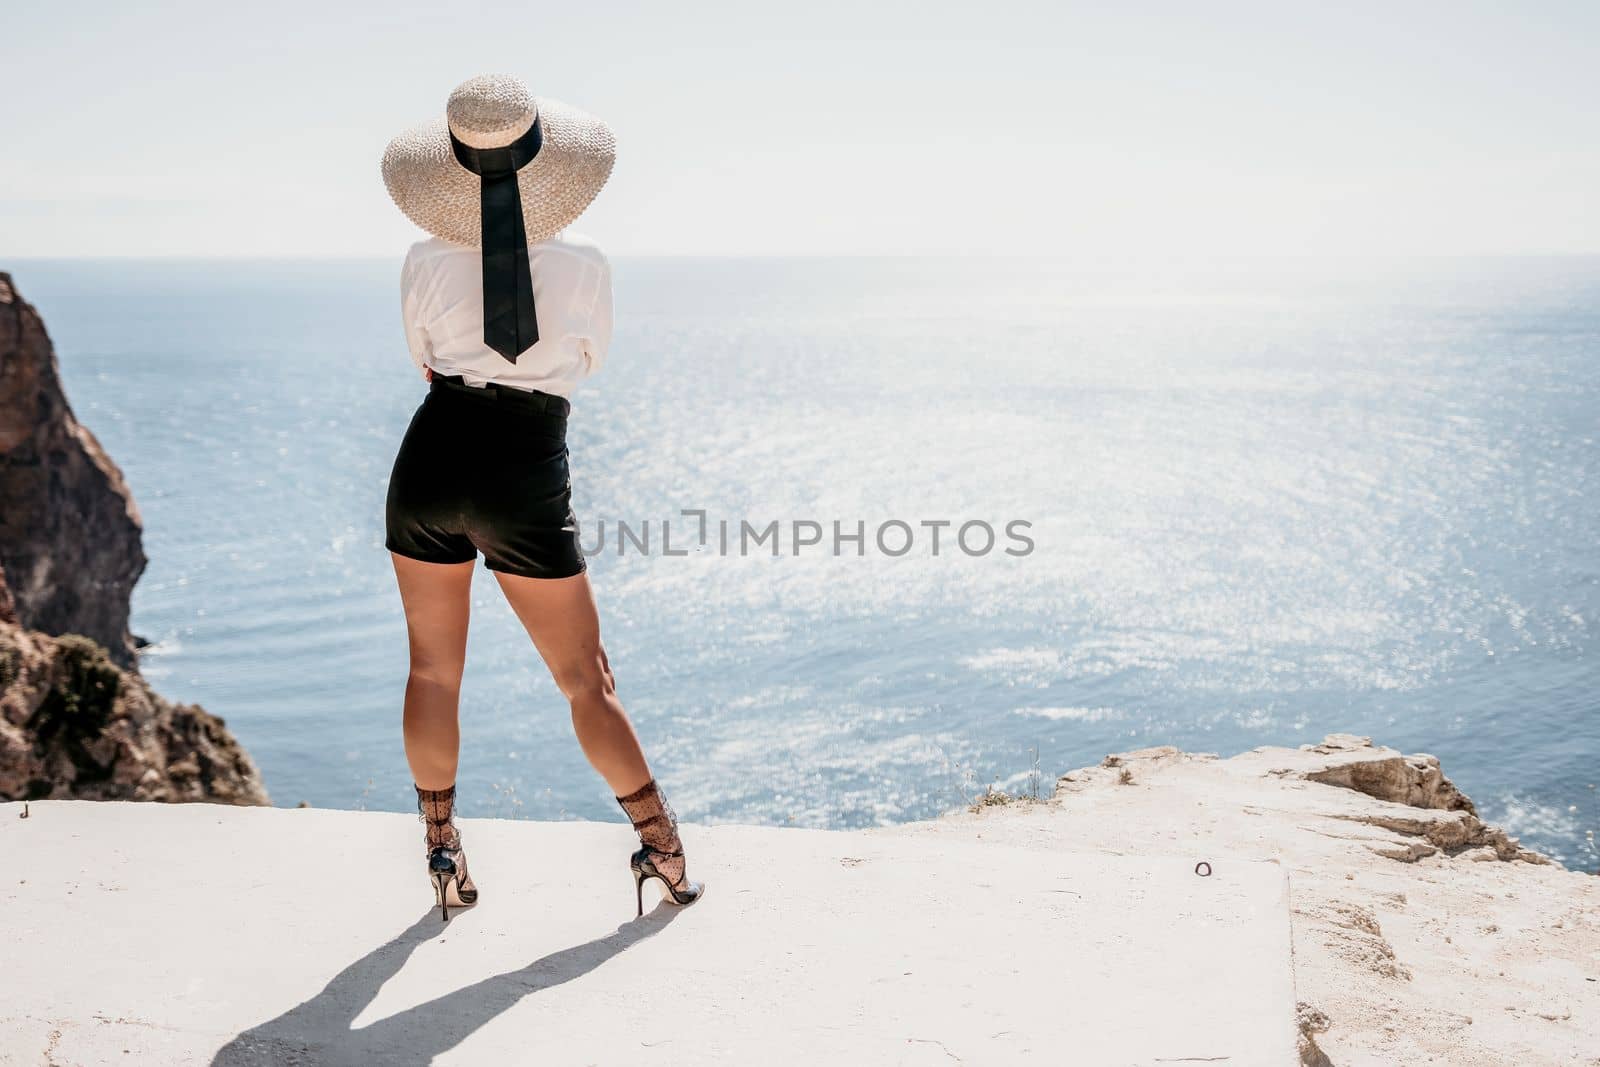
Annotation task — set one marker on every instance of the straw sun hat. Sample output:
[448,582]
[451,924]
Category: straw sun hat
[573,159]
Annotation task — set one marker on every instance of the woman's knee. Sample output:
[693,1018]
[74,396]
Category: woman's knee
[436,674]
[586,679]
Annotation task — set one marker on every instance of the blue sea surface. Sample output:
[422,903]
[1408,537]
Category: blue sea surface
[1269,500]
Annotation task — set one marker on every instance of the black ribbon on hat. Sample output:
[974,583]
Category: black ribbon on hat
[510,325]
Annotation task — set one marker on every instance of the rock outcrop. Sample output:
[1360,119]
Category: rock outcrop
[1421,933]
[76,718]
[1352,762]
[69,529]
[74,724]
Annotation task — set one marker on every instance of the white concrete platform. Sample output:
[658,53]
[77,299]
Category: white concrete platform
[151,934]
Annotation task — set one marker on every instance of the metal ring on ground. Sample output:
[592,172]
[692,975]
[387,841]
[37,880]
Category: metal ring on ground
[1203,869]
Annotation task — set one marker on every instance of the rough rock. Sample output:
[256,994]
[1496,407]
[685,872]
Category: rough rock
[1447,822]
[74,724]
[1353,762]
[69,530]
[1311,1023]
[1421,933]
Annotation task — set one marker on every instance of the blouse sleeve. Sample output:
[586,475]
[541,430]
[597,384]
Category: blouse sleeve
[597,340]
[411,313]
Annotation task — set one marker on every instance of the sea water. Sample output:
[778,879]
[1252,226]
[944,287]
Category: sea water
[1264,501]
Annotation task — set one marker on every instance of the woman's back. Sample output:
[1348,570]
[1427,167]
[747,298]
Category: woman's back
[441,299]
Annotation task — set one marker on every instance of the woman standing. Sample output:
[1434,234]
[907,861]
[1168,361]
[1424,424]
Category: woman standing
[505,314]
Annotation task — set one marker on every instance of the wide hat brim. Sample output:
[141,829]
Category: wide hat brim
[437,193]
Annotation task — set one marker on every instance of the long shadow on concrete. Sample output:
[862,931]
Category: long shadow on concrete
[319,1030]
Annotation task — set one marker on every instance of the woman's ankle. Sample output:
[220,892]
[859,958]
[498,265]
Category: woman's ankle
[437,807]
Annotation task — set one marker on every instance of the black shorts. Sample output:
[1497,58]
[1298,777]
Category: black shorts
[485,470]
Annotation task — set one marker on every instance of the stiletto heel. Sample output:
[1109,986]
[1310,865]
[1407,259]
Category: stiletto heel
[440,881]
[661,856]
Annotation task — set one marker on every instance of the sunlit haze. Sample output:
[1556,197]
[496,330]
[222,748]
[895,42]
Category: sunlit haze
[826,129]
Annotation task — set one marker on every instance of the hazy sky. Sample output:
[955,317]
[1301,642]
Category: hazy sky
[225,128]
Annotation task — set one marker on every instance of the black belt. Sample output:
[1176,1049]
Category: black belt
[529,400]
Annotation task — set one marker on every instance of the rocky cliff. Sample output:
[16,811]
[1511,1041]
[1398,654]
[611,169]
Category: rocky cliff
[69,529]
[76,718]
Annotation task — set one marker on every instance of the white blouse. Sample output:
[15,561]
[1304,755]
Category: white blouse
[441,298]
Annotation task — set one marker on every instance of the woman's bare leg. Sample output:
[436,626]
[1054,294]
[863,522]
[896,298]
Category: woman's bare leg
[438,600]
[560,616]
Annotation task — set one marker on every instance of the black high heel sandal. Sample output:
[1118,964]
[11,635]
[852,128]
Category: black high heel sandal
[644,868]
[657,827]
[451,886]
[447,860]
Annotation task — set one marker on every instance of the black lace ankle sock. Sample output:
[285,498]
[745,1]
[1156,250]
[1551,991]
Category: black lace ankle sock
[437,808]
[657,826]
